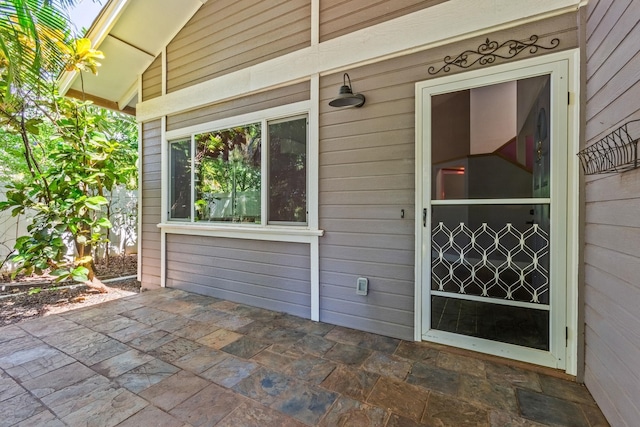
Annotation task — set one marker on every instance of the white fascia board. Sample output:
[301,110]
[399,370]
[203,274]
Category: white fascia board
[128,95]
[97,33]
[421,30]
[66,80]
[106,21]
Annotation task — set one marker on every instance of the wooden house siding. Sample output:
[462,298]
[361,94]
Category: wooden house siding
[259,101]
[340,17]
[228,35]
[612,224]
[152,80]
[150,195]
[367,177]
[271,275]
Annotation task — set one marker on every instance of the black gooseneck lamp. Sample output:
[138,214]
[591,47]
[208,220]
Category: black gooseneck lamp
[346,97]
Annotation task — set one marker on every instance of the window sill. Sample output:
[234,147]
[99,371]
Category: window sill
[251,232]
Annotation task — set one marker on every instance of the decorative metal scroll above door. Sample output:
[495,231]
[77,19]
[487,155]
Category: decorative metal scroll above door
[490,50]
[616,152]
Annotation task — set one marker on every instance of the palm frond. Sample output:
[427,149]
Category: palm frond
[34,34]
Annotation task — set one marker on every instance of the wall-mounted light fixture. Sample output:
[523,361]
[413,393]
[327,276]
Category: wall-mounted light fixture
[346,97]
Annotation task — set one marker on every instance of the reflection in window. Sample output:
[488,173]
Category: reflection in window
[287,171]
[492,142]
[227,175]
[180,179]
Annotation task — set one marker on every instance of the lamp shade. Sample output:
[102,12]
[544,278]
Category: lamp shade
[346,97]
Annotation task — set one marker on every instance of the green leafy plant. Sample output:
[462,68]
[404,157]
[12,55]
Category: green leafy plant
[73,153]
[65,192]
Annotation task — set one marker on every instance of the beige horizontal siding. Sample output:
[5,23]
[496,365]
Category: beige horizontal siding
[150,234]
[605,353]
[339,17]
[367,163]
[613,71]
[599,186]
[359,150]
[622,213]
[152,80]
[271,275]
[612,227]
[624,240]
[256,102]
[225,36]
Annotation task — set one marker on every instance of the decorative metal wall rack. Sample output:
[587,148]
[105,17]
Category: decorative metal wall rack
[616,152]
[490,50]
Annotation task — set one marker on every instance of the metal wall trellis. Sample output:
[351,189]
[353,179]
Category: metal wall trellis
[615,152]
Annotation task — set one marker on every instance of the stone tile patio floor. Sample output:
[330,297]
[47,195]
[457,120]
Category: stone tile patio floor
[170,358]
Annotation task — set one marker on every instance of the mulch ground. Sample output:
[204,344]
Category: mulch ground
[36,296]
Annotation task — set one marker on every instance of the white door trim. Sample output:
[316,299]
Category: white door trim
[567,314]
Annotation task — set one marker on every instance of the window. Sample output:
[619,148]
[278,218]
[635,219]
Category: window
[288,171]
[227,175]
[230,171]
[180,179]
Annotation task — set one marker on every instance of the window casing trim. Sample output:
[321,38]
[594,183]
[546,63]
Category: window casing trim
[295,234]
[275,113]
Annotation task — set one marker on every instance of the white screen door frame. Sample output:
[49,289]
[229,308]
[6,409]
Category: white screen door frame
[562,69]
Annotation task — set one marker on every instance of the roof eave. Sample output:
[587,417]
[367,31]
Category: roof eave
[98,31]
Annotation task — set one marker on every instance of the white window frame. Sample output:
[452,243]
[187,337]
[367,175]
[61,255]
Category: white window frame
[298,232]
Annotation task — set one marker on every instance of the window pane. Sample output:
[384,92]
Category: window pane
[227,175]
[288,171]
[180,180]
[492,142]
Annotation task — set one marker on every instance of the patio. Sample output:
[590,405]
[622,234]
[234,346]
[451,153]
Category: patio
[170,358]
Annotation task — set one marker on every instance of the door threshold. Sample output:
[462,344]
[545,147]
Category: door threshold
[545,370]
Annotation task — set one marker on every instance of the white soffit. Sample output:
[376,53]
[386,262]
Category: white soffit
[149,25]
[135,36]
[110,82]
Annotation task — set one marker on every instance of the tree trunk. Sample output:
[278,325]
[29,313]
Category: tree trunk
[95,283]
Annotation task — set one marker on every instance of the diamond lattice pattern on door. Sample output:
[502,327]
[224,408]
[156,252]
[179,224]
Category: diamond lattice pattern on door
[505,264]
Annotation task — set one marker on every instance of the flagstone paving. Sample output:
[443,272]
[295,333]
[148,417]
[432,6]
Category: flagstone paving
[171,358]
